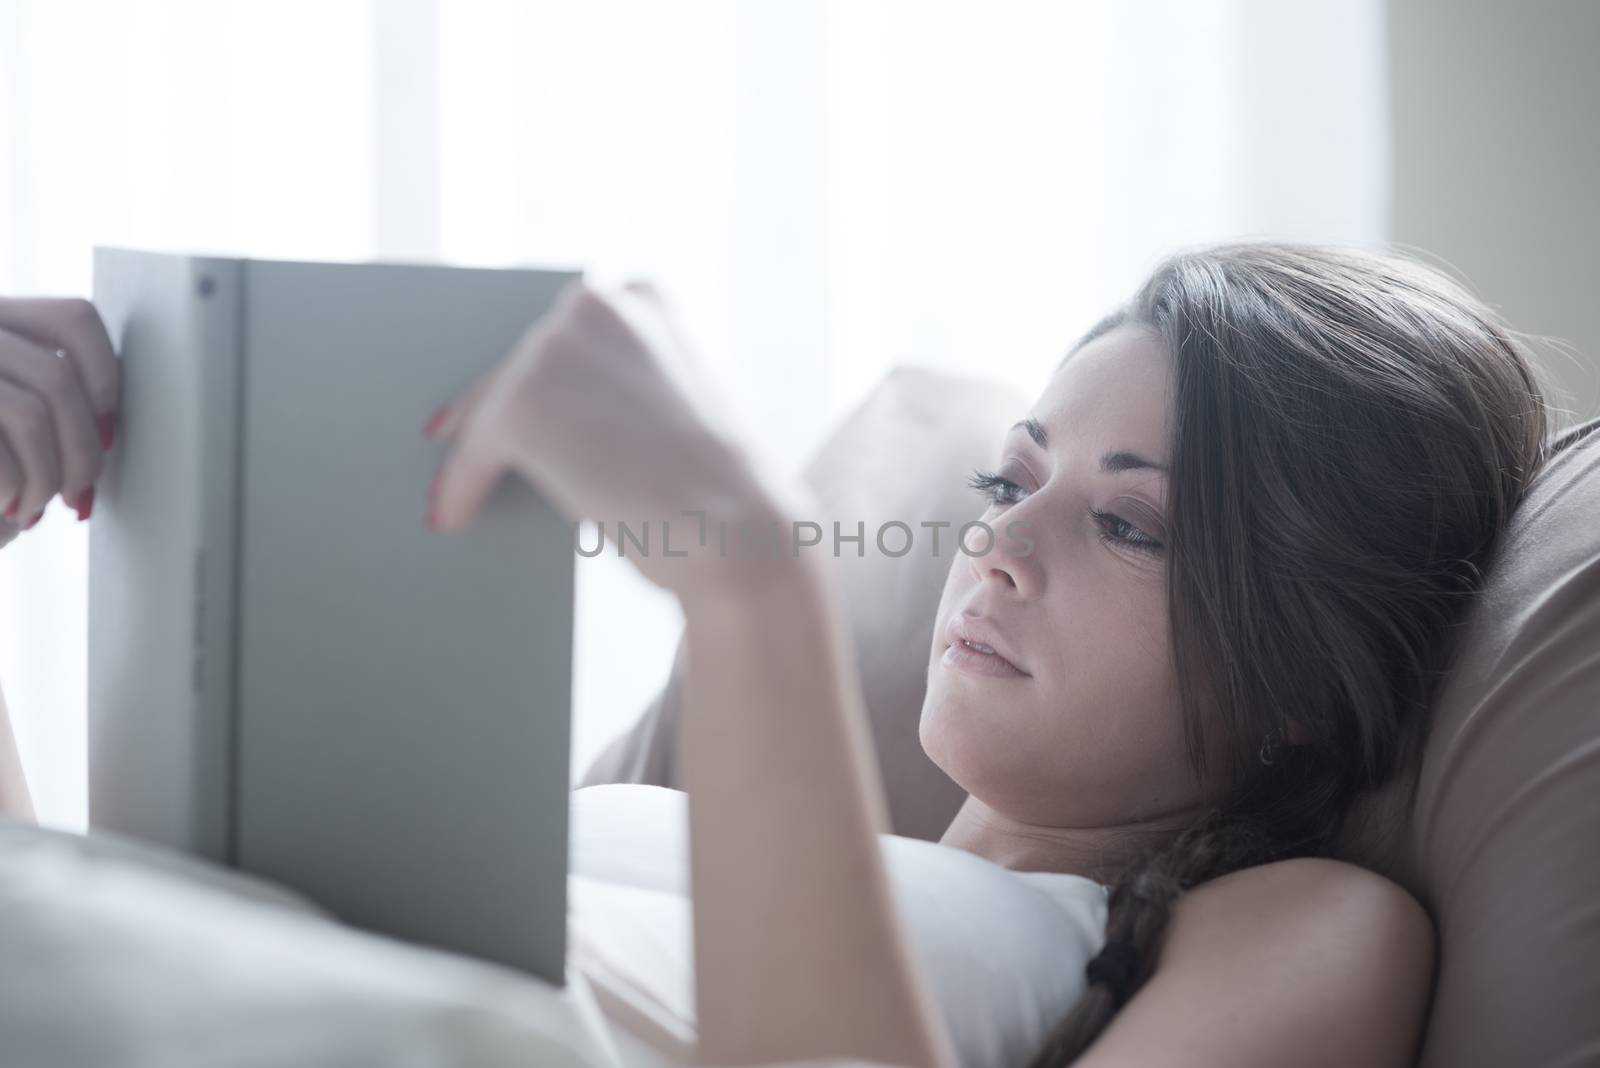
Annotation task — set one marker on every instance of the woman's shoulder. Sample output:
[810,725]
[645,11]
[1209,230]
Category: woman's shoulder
[1318,894]
[1328,963]
[1365,933]
[1334,962]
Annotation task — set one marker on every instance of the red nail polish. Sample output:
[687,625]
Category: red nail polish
[34,521]
[435,421]
[11,509]
[108,431]
[85,504]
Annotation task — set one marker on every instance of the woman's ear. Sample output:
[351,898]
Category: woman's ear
[1295,733]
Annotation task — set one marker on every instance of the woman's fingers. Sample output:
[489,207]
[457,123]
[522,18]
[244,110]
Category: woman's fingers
[477,457]
[464,480]
[446,422]
[469,474]
[73,326]
[57,383]
[26,426]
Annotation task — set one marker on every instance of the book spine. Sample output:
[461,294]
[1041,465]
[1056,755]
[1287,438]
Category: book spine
[221,289]
[162,556]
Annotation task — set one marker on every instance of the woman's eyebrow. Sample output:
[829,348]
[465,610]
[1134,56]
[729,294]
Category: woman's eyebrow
[1035,431]
[1127,461]
[1110,463]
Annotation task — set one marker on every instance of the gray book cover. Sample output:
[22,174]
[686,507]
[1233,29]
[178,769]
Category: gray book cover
[288,672]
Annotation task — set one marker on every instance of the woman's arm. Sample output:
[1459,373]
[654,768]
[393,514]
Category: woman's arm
[799,951]
[15,802]
[1309,962]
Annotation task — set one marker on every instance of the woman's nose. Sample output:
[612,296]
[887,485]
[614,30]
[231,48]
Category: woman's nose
[1005,554]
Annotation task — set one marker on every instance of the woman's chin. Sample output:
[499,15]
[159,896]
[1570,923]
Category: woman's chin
[959,743]
[933,731]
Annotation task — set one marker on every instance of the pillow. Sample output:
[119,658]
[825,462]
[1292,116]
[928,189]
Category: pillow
[903,454]
[1501,837]
[120,953]
[1004,951]
[115,953]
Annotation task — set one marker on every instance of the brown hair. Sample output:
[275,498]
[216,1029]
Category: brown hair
[1352,431]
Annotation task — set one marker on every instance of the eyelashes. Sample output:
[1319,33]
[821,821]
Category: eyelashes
[998,490]
[994,489]
[1115,528]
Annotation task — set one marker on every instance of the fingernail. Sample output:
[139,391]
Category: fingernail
[431,521]
[84,504]
[11,509]
[435,421]
[108,430]
[34,521]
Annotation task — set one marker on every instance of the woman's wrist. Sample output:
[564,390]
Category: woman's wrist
[751,538]
[757,556]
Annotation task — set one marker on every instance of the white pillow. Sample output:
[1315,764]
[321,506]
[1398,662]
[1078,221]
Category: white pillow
[1005,951]
[115,953]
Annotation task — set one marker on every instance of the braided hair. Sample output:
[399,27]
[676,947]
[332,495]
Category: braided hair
[1351,433]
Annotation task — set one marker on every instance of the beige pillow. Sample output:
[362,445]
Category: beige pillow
[1502,839]
[904,454]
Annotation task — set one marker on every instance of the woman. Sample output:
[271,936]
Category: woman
[1259,498]
[1256,501]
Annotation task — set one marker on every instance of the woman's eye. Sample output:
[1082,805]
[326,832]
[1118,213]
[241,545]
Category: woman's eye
[994,489]
[1114,528]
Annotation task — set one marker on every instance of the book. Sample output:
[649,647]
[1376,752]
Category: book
[288,673]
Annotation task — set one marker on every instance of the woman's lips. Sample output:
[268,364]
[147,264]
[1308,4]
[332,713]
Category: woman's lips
[971,660]
[975,645]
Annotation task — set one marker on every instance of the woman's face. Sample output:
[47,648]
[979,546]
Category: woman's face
[1085,729]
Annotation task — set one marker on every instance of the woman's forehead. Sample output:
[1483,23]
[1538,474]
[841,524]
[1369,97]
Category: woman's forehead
[1119,384]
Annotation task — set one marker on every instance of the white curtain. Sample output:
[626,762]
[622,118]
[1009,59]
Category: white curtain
[825,188]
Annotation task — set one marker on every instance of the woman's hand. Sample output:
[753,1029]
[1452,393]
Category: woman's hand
[58,407]
[58,415]
[596,406]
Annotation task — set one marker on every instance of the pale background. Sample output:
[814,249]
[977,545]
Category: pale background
[824,188]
